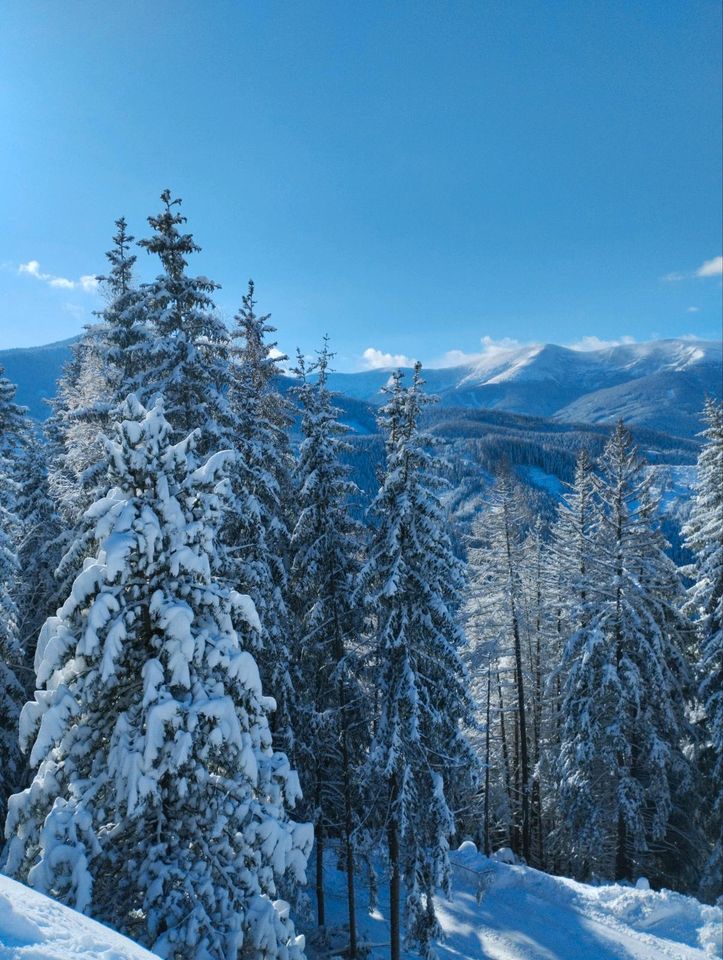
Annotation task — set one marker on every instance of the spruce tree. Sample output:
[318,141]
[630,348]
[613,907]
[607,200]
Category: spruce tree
[258,523]
[158,804]
[621,764]
[419,752]
[326,550]
[12,437]
[704,538]
[188,359]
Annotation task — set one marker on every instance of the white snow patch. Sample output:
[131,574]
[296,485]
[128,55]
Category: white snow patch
[34,927]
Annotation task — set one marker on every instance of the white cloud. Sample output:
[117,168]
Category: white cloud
[709,268]
[596,343]
[374,359]
[693,310]
[490,348]
[87,282]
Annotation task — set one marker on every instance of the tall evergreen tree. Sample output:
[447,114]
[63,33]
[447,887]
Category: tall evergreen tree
[40,537]
[188,362]
[626,682]
[419,752]
[326,548]
[257,531]
[158,804]
[12,429]
[704,538]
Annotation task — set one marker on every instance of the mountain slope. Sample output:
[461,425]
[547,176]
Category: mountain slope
[35,370]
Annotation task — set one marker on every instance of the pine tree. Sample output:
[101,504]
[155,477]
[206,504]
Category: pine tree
[704,538]
[326,546]
[12,437]
[257,530]
[158,804]
[626,682]
[419,752]
[188,362]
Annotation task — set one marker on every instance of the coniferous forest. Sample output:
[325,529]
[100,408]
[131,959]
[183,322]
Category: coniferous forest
[221,678]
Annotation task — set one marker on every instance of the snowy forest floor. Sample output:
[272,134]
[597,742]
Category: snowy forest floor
[498,912]
[505,912]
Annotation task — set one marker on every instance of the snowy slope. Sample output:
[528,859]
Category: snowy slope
[32,927]
[505,912]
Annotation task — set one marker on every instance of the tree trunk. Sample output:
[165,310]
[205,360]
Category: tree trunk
[320,904]
[394,878]
[519,677]
[348,825]
[487,845]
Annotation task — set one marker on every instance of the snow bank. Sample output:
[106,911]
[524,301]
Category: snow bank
[503,911]
[33,927]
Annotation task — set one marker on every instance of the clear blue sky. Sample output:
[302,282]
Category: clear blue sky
[407,176]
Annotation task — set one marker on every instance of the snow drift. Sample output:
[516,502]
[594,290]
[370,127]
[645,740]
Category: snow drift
[33,927]
[502,911]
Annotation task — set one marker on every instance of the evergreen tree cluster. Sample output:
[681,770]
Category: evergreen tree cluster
[596,670]
[199,641]
[209,666]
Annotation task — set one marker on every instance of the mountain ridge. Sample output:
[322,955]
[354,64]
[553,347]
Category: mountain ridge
[660,384]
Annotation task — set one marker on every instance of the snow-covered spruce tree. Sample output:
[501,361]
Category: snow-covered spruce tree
[259,518]
[80,406]
[567,586]
[38,545]
[158,804]
[419,754]
[626,683]
[704,538]
[109,362]
[12,429]
[326,548]
[188,362]
[127,336]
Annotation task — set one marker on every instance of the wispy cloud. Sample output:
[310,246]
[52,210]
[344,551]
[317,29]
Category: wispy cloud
[693,310]
[87,282]
[709,268]
[596,343]
[373,359]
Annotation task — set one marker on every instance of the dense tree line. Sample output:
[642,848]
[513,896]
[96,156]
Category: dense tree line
[202,635]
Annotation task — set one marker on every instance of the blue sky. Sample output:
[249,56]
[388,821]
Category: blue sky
[410,177]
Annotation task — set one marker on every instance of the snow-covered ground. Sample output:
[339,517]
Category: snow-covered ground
[32,927]
[505,912]
[499,912]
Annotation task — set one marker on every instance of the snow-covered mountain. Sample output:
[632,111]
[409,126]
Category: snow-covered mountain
[660,384]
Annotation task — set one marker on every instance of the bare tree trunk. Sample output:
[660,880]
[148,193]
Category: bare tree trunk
[394,877]
[320,904]
[505,756]
[487,845]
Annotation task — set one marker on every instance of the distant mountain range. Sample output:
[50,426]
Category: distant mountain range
[661,384]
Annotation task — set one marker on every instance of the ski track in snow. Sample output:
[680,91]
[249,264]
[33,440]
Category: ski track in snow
[523,914]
